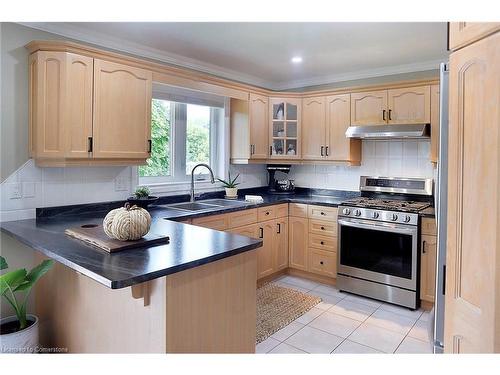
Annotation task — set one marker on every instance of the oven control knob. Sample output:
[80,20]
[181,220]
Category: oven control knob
[346,211]
[375,214]
[394,217]
[357,212]
[407,219]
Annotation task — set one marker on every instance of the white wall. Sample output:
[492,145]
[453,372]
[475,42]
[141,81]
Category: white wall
[408,158]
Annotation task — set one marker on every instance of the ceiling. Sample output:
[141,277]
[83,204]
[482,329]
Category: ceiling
[260,53]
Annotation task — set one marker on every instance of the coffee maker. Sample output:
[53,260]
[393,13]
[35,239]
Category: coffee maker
[284,186]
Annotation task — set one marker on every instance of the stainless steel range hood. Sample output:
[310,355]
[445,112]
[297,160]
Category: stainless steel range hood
[388,131]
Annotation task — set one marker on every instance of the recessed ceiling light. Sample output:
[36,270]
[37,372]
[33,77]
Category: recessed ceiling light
[296,59]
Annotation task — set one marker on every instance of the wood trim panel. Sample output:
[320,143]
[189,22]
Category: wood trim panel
[241,218]
[429,226]
[217,222]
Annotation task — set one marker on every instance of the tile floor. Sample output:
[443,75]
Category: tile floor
[346,323]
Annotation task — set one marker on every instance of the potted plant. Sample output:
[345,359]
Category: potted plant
[19,333]
[230,186]
[141,197]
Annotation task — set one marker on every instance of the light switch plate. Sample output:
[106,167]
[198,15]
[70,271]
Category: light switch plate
[28,189]
[15,191]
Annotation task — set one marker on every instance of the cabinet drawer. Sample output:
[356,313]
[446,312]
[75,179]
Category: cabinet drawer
[322,213]
[218,222]
[326,243]
[297,210]
[240,218]
[272,212]
[323,262]
[429,226]
[325,228]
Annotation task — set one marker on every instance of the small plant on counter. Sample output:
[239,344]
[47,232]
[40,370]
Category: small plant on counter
[13,282]
[142,192]
[230,186]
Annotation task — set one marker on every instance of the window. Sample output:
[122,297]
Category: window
[183,134]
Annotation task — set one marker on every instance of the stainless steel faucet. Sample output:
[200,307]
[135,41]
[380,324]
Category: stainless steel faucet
[192,177]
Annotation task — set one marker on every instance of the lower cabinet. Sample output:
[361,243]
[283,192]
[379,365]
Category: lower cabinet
[323,262]
[428,249]
[280,244]
[298,242]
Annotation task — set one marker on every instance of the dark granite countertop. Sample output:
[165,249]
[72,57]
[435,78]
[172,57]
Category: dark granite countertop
[190,246]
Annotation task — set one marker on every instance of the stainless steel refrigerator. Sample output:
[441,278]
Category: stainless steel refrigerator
[440,196]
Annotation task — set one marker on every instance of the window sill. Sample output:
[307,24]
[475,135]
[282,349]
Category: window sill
[181,187]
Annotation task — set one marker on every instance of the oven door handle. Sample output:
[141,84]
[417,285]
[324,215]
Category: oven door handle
[383,228]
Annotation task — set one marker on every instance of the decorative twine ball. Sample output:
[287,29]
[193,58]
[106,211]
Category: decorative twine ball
[128,223]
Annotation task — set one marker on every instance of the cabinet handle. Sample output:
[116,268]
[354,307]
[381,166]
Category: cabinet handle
[326,150]
[261,235]
[390,110]
[423,247]
[149,146]
[322,150]
[279,228]
[270,150]
[321,262]
[90,144]
[383,114]
[251,146]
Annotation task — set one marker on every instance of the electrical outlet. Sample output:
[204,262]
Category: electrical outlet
[28,189]
[121,184]
[15,191]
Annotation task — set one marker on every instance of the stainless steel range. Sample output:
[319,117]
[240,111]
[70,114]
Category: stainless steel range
[378,239]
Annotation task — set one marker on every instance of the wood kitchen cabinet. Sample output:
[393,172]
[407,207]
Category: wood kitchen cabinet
[409,105]
[428,254]
[369,108]
[265,254]
[86,111]
[464,33]
[473,219]
[314,128]
[280,244]
[435,124]
[285,128]
[258,120]
[298,242]
[122,111]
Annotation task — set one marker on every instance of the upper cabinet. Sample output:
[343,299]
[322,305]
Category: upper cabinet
[85,111]
[464,33]
[395,106]
[122,111]
[284,129]
[369,108]
[258,118]
[314,128]
[409,105]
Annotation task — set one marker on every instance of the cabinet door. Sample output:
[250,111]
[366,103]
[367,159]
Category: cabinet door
[247,230]
[79,73]
[265,254]
[258,118]
[313,128]
[122,111]
[47,104]
[428,246]
[285,128]
[338,119]
[464,33]
[369,108]
[409,105]
[472,254]
[323,262]
[280,244]
[434,124]
[297,242]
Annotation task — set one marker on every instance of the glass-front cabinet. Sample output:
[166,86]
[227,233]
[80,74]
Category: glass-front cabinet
[284,137]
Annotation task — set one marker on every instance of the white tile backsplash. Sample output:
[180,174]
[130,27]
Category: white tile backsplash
[397,158]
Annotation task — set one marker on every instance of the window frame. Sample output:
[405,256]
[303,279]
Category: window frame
[178,148]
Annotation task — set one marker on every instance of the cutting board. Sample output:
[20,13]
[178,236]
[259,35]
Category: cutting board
[94,235]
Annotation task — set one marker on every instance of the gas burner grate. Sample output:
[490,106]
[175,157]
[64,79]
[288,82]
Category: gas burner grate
[387,204]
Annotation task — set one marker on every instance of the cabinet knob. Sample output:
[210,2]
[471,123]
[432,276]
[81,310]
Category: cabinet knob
[322,213]
[321,262]
[322,243]
[322,228]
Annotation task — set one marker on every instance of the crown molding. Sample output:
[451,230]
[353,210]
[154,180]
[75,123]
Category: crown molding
[124,46]
[138,50]
[362,74]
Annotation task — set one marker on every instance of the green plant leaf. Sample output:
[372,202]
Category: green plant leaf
[35,274]
[12,279]
[3,263]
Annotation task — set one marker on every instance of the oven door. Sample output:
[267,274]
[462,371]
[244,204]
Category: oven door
[382,252]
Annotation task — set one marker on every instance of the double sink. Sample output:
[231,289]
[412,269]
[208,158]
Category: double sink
[205,205]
